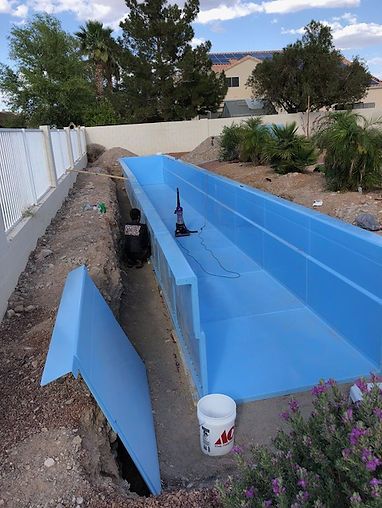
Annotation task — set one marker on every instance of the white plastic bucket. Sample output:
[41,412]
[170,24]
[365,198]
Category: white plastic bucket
[216,415]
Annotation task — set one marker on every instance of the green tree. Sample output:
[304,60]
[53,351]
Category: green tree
[101,50]
[48,84]
[254,139]
[163,77]
[310,73]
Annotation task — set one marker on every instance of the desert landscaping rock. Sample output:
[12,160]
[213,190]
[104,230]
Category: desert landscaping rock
[367,221]
[49,462]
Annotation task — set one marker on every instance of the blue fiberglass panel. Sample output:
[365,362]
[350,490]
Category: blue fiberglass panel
[87,336]
[278,298]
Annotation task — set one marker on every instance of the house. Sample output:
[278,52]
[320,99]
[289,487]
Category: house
[238,66]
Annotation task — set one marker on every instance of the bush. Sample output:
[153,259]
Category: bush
[331,459]
[254,139]
[230,139]
[287,151]
[353,151]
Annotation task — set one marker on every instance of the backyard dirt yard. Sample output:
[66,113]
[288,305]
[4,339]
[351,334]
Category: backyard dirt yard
[56,448]
[302,188]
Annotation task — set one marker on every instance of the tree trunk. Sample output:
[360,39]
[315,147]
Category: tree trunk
[99,79]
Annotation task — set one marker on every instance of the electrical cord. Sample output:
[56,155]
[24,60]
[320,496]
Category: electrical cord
[235,275]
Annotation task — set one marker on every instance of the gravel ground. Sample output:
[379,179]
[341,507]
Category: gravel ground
[57,449]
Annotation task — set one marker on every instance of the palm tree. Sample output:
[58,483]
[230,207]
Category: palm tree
[353,150]
[100,48]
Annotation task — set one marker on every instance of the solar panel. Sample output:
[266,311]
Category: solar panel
[226,58]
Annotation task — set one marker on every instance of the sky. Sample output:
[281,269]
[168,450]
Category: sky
[237,25]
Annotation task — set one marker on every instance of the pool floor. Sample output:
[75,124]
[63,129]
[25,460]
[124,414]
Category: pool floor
[261,339]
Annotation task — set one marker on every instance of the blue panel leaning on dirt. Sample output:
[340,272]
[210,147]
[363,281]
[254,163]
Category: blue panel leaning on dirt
[88,340]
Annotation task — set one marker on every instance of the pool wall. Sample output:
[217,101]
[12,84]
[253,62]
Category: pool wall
[332,267]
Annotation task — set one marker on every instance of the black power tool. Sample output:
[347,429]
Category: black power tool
[180,228]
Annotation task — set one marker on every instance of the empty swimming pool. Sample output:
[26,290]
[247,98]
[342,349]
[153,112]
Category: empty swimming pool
[268,297]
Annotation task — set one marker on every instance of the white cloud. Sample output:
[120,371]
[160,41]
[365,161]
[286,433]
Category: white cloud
[358,35]
[223,11]
[226,12]
[11,7]
[349,35]
[285,6]
[196,41]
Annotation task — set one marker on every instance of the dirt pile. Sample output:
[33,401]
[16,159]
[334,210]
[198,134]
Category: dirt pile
[109,159]
[208,150]
[42,450]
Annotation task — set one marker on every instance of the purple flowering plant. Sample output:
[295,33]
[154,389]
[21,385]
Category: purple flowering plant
[331,458]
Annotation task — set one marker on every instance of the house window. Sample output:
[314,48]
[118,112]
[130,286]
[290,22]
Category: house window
[232,82]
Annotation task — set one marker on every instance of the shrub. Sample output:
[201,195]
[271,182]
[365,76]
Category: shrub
[254,139]
[353,151]
[287,151]
[230,139]
[332,459]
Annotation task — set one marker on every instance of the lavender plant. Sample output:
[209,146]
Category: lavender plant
[332,459]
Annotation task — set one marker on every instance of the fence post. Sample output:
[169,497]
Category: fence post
[70,149]
[49,155]
[30,171]
[79,141]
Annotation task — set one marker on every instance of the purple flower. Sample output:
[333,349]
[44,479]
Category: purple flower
[267,503]
[331,382]
[362,385]
[355,434]
[346,453]
[302,483]
[285,415]
[277,487]
[378,412]
[319,389]
[373,463]
[237,449]
[294,405]
[249,493]
[305,496]
[374,482]
[348,416]
[366,454]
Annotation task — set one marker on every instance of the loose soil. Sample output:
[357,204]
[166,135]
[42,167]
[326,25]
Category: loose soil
[208,150]
[302,188]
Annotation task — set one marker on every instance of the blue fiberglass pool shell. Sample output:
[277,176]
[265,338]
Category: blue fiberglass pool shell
[268,297]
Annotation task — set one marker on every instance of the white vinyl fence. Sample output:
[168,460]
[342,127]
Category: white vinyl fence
[60,151]
[31,163]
